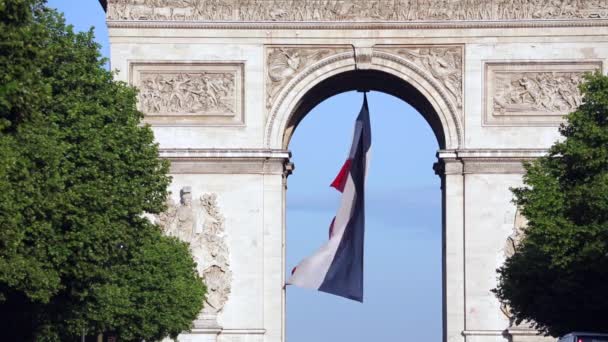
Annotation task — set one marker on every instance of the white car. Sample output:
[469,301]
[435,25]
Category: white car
[584,337]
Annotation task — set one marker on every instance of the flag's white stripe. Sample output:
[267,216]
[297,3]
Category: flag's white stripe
[356,139]
[311,272]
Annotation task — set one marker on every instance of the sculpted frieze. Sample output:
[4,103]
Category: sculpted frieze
[203,93]
[284,63]
[533,93]
[354,10]
[537,92]
[200,224]
[441,63]
[188,93]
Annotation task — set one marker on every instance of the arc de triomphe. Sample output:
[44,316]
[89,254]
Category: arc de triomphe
[224,84]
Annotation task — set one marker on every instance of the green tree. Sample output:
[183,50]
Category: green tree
[77,172]
[558,276]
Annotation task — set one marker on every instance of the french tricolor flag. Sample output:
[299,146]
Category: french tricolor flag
[337,267]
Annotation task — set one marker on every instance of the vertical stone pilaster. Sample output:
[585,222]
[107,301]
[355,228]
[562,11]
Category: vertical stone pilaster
[450,170]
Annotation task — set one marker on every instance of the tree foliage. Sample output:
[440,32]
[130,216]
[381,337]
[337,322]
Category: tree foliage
[77,172]
[558,276]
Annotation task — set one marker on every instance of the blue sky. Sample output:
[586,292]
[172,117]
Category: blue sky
[403,232]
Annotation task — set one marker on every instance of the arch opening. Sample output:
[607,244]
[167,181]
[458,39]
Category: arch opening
[403,220]
[368,80]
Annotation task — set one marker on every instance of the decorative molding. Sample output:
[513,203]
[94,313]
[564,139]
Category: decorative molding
[227,161]
[283,63]
[485,161]
[494,166]
[533,93]
[431,25]
[189,93]
[225,153]
[483,333]
[517,153]
[353,10]
[228,167]
[448,167]
[442,63]
[201,225]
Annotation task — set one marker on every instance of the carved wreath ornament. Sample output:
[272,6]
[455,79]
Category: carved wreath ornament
[201,225]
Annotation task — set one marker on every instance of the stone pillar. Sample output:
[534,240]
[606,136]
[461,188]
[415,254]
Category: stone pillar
[490,220]
[274,206]
[240,192]
[449,168]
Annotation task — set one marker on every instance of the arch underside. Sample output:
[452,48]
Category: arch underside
[365,80]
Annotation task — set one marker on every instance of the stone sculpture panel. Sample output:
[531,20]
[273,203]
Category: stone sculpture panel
[201,225]
[533,93]
[284,63]
[190,93]
[444,64]
[354,10]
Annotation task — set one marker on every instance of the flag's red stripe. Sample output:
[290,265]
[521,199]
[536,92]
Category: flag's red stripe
[342,176]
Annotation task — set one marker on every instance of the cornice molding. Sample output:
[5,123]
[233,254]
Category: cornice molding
[222,153]
[227,161]
[335,25]
[485,161]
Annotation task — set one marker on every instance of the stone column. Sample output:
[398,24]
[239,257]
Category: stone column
[274,207]
[489,221]
[241,192]
[449,168]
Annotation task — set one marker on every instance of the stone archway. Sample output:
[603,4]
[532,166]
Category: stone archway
[396,76]
[225,82]
[402,71]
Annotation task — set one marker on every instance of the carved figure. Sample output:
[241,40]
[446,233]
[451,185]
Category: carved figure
[185,216]
[202,93]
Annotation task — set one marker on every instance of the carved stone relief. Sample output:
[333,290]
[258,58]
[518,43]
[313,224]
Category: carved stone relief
[533,93]
[203,93]
[441,63]
[201,225]
[511,245]
[354,10]
[284,63]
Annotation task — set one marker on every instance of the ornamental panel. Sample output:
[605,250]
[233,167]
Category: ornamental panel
[533,93]
[190,94]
